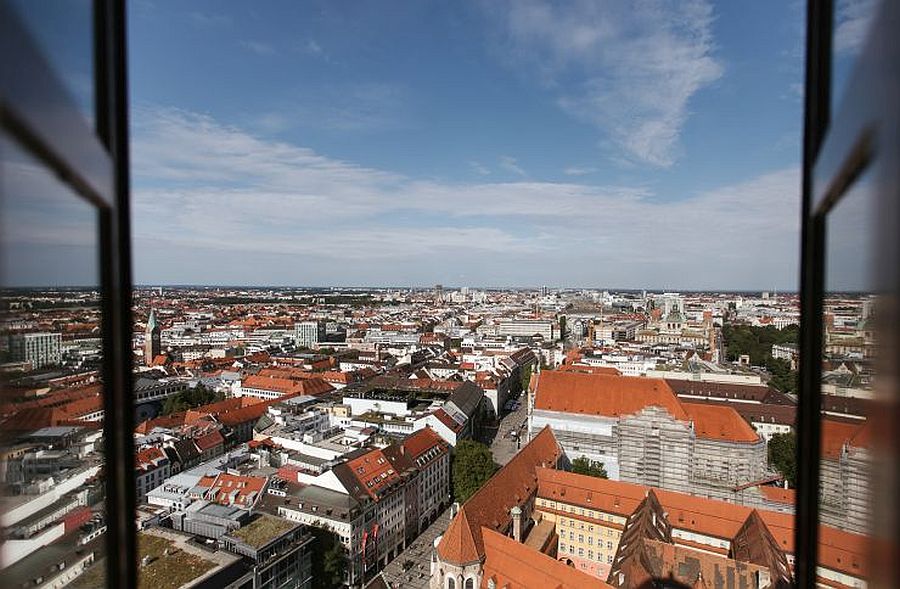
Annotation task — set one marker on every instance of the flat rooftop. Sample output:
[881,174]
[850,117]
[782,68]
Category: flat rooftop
[263,530]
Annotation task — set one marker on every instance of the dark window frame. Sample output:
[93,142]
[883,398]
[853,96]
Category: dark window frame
[38,116]
[36,113]
[861,137]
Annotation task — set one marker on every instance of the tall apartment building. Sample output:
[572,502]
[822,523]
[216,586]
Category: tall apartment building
[309,333]
[38,349]
[642,433]
[378,500]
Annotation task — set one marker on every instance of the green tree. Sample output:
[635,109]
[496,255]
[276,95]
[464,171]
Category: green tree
[592,468]
[783,456]
[329,561]
[525,377]
[473,464]
[189,399]
[757,342]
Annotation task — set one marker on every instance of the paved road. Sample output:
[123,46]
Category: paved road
[412,567]
[504,447]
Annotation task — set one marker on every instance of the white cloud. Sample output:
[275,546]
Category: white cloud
[511,164]
[628,68]
[258,47]
[479,168]
[852,20]
[215,192]
[313,47]
[579,170]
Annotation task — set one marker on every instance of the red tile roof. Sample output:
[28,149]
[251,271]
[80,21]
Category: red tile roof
[516,566]
[148,459]
[373,471]
[603,394]
[489,507]
[836,434]
[209,440]
[591,492]
[838,550]
[720,422]
[778,494]
[421,442]
[589,369]
[230,489]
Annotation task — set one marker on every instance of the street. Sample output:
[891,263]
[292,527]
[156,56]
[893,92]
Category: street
[503,446]
[412,567]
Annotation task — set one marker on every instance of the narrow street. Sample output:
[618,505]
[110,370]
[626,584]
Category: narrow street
[503,445]
[412,567]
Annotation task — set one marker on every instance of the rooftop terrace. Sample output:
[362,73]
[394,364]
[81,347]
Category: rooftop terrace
[262,530]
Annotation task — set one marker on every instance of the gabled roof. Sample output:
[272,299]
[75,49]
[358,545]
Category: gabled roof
[418,444]
[755,543]
[604,394]
[516,566]
[489,507]
[370,473]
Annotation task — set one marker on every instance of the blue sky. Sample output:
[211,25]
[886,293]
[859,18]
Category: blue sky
[584,143]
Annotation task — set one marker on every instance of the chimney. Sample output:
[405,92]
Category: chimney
[516,514]
[454,509]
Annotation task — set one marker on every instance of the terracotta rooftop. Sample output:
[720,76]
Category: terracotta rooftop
[591,492]
[835,434]
[516,566]
[719,422]
[838,550]
[603,394]
[489,507]
[418,444]
[372,471]
[585,369]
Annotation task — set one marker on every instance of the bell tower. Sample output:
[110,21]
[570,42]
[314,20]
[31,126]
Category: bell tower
[152,346]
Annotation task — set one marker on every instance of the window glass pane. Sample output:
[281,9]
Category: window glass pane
[852,20]
[51,410]
[63,30]
[849,385]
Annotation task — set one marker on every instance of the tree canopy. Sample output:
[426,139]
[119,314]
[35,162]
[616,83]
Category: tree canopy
[757,343]
[473,464]
[783,456]
[591,468]
[189,399]
[329,560]
[525,377]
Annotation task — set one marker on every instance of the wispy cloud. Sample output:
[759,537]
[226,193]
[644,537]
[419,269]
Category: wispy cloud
[203,19]
[313,48]
[853,18]
[628,68]
[579,170]
[344,107]
[479,168]
[258,47]
[217,192]
[511,164]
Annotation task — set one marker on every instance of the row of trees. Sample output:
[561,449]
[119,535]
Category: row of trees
[757,343]
[189,399]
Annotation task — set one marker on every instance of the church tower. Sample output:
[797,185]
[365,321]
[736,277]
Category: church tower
[152,347]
